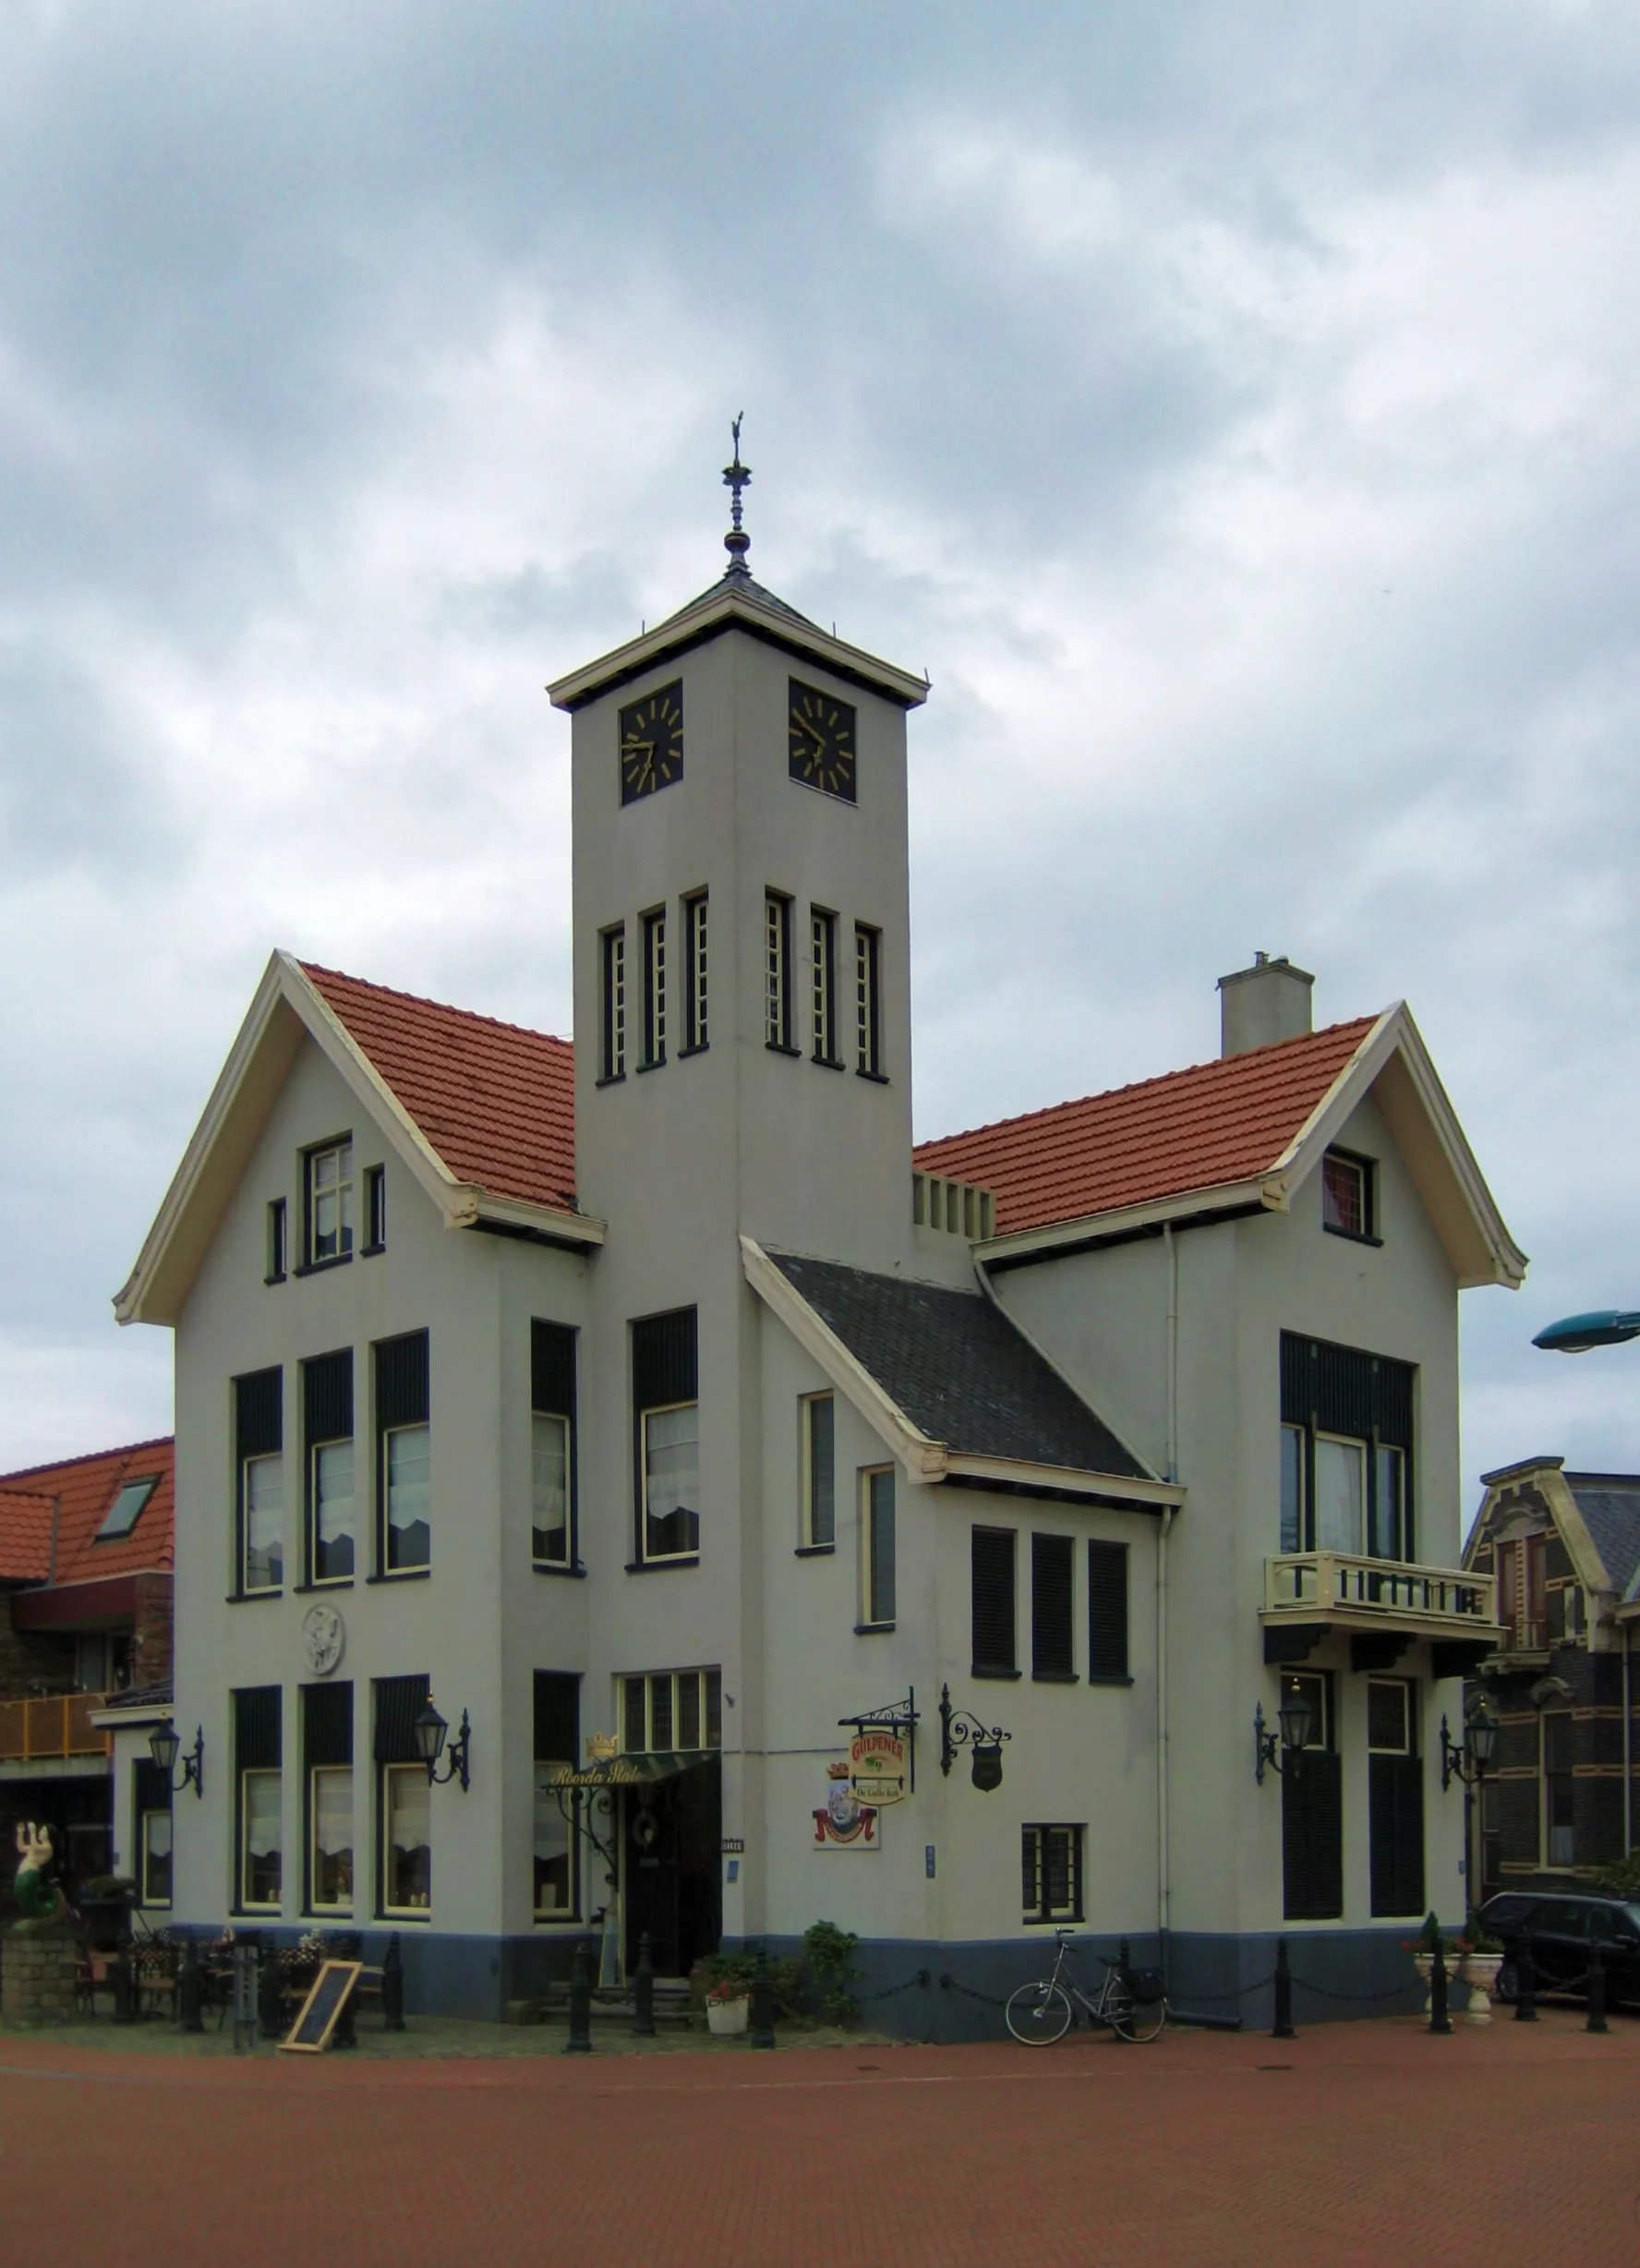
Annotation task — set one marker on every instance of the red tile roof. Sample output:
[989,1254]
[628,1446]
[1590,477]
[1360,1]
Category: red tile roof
[81,1489]
[497,1103]
[1196,1129]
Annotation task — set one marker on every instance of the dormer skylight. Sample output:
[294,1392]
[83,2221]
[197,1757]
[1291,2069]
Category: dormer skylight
[126,1508]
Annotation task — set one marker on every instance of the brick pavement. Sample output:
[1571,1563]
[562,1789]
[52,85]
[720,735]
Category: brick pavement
[1354,2145]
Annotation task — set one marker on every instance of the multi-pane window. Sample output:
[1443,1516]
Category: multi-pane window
[1108,1612]
[403,1798]
[612,958]
[992,1574]
[1394,1797]
[276,1253]
[1346,1441]
[777,970]
[1051,1874]
[1346,1194]
[1559,1809]
[868,1003]
[329,1201]
[552,1444]
[667,1410]
[696,1023]
[150,1804]
[405,1453]
[258,1759]
[259,1439]
[375,1209]
[819,1471]
[327,1756]
[655,988]
[876,1547]
[556,1815]
[823,983]
[327,1416]
[671,1709]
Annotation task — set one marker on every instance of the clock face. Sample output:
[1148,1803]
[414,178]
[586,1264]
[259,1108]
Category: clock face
[822,740]
[652,742]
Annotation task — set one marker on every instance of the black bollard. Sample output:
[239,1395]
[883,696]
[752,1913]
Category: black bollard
[1597,1991]
[190,1988]
[1438,2020]
[392,1988]
[1525,1997]
[1283,2027]
[763,2004]
[119,1976]
[644,1992]
[580,2040]
[270,1993]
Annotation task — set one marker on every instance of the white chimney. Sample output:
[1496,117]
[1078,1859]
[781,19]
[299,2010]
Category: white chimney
[1263,1005]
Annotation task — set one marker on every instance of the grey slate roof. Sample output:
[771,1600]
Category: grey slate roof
[959,1370]
[1610,1504]
[741,581]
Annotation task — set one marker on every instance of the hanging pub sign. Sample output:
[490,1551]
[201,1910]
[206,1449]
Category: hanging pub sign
[879,1770]
[842,1823]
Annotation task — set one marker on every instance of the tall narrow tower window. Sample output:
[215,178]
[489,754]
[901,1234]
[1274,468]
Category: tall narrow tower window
[655,988]
[614,1003]
[695,1032]
[777,965]
[868,990]
[823,983]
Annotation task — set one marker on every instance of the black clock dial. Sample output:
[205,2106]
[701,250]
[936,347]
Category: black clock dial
[822,740]
[652,742]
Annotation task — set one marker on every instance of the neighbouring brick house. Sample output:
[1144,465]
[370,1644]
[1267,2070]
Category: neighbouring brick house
[1559,1804]
[85,1613]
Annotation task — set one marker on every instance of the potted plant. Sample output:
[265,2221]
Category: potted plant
[727,2004]
[1482,1958]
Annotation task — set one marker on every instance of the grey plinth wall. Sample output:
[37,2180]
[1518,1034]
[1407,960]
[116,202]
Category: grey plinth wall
[37,1975]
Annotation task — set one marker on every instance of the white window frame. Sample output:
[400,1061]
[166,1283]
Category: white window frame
[1363,1451]
[655,988]
[390,1435]
[708,1683]
[1045,1913]
[1361,1169]
[777,972]
[144,1824]
[612,971]
[542,1795]
[267,1456]
[1408,1744]
[808,1538]
[868,1000]
[315,1904]
[341,1190]
[662,1558]
[823,985]
[566,1558]
[314,1455]
[390,1774]
[870,1617]
[246,1903]
[696,959]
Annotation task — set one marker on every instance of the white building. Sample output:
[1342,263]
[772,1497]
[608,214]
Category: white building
[652,1391]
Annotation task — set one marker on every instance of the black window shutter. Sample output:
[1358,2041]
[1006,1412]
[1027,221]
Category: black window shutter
[664,1361]
[258,1744]
[1312,1838]
[150,1788]
[993,1566]
[258,1413]
[1342,1391]
[1107,1609]
[399,1702]
[401,1380]
[1052,1644]
[327,1397]
[558,1716]
[1395,1803]
[552,1369]
[327,1724]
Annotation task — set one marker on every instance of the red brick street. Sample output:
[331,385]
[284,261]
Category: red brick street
[1354,2145]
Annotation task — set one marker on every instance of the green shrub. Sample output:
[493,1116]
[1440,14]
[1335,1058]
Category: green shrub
[829,1953]
[1622,1880]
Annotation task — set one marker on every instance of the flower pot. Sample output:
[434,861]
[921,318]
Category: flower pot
[1480,1973]
[726,2019]
[1425,1965]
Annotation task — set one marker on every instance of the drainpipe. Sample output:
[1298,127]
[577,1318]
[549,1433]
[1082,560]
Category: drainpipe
[1164,1861]
[1628,1740]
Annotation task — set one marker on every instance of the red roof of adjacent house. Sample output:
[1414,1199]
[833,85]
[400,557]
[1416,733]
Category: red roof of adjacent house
[497,1103]
[76,1495]
[1197,1129]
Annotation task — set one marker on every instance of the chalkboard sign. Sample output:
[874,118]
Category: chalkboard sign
[311,2034]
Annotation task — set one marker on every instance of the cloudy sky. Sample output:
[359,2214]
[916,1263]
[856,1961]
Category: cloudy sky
[1231,406]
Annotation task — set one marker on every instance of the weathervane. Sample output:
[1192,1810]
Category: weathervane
[736,476]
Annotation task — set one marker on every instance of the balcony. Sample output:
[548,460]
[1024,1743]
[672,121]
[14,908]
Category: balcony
[1384,1605]
[51,1730]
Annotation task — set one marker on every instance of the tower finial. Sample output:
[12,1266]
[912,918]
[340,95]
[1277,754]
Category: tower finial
[736,476]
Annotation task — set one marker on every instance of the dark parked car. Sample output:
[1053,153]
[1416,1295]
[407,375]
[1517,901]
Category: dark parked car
[1561,1928]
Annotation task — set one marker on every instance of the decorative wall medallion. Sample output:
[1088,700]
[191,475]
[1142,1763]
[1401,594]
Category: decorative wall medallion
[324,1639]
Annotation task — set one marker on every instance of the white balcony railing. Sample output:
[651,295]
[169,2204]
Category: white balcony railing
[1374,1594]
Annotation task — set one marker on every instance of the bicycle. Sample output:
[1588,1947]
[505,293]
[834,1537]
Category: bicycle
[1130,2001]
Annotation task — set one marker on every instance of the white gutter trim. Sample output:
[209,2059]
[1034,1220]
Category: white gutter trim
[471,1204]
[925,1460]
[1156,1495]
[1227,1197]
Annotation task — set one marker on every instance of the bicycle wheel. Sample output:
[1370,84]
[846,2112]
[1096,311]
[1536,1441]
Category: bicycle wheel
[1139,2019]
[1039,2014]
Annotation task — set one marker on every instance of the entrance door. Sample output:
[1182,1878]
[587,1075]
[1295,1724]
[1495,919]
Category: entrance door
[670,1858]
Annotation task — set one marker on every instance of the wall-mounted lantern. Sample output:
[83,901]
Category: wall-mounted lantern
[1469,1761]
[163,1747]
[1297,1719]
[430,1730]
[956,1728]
